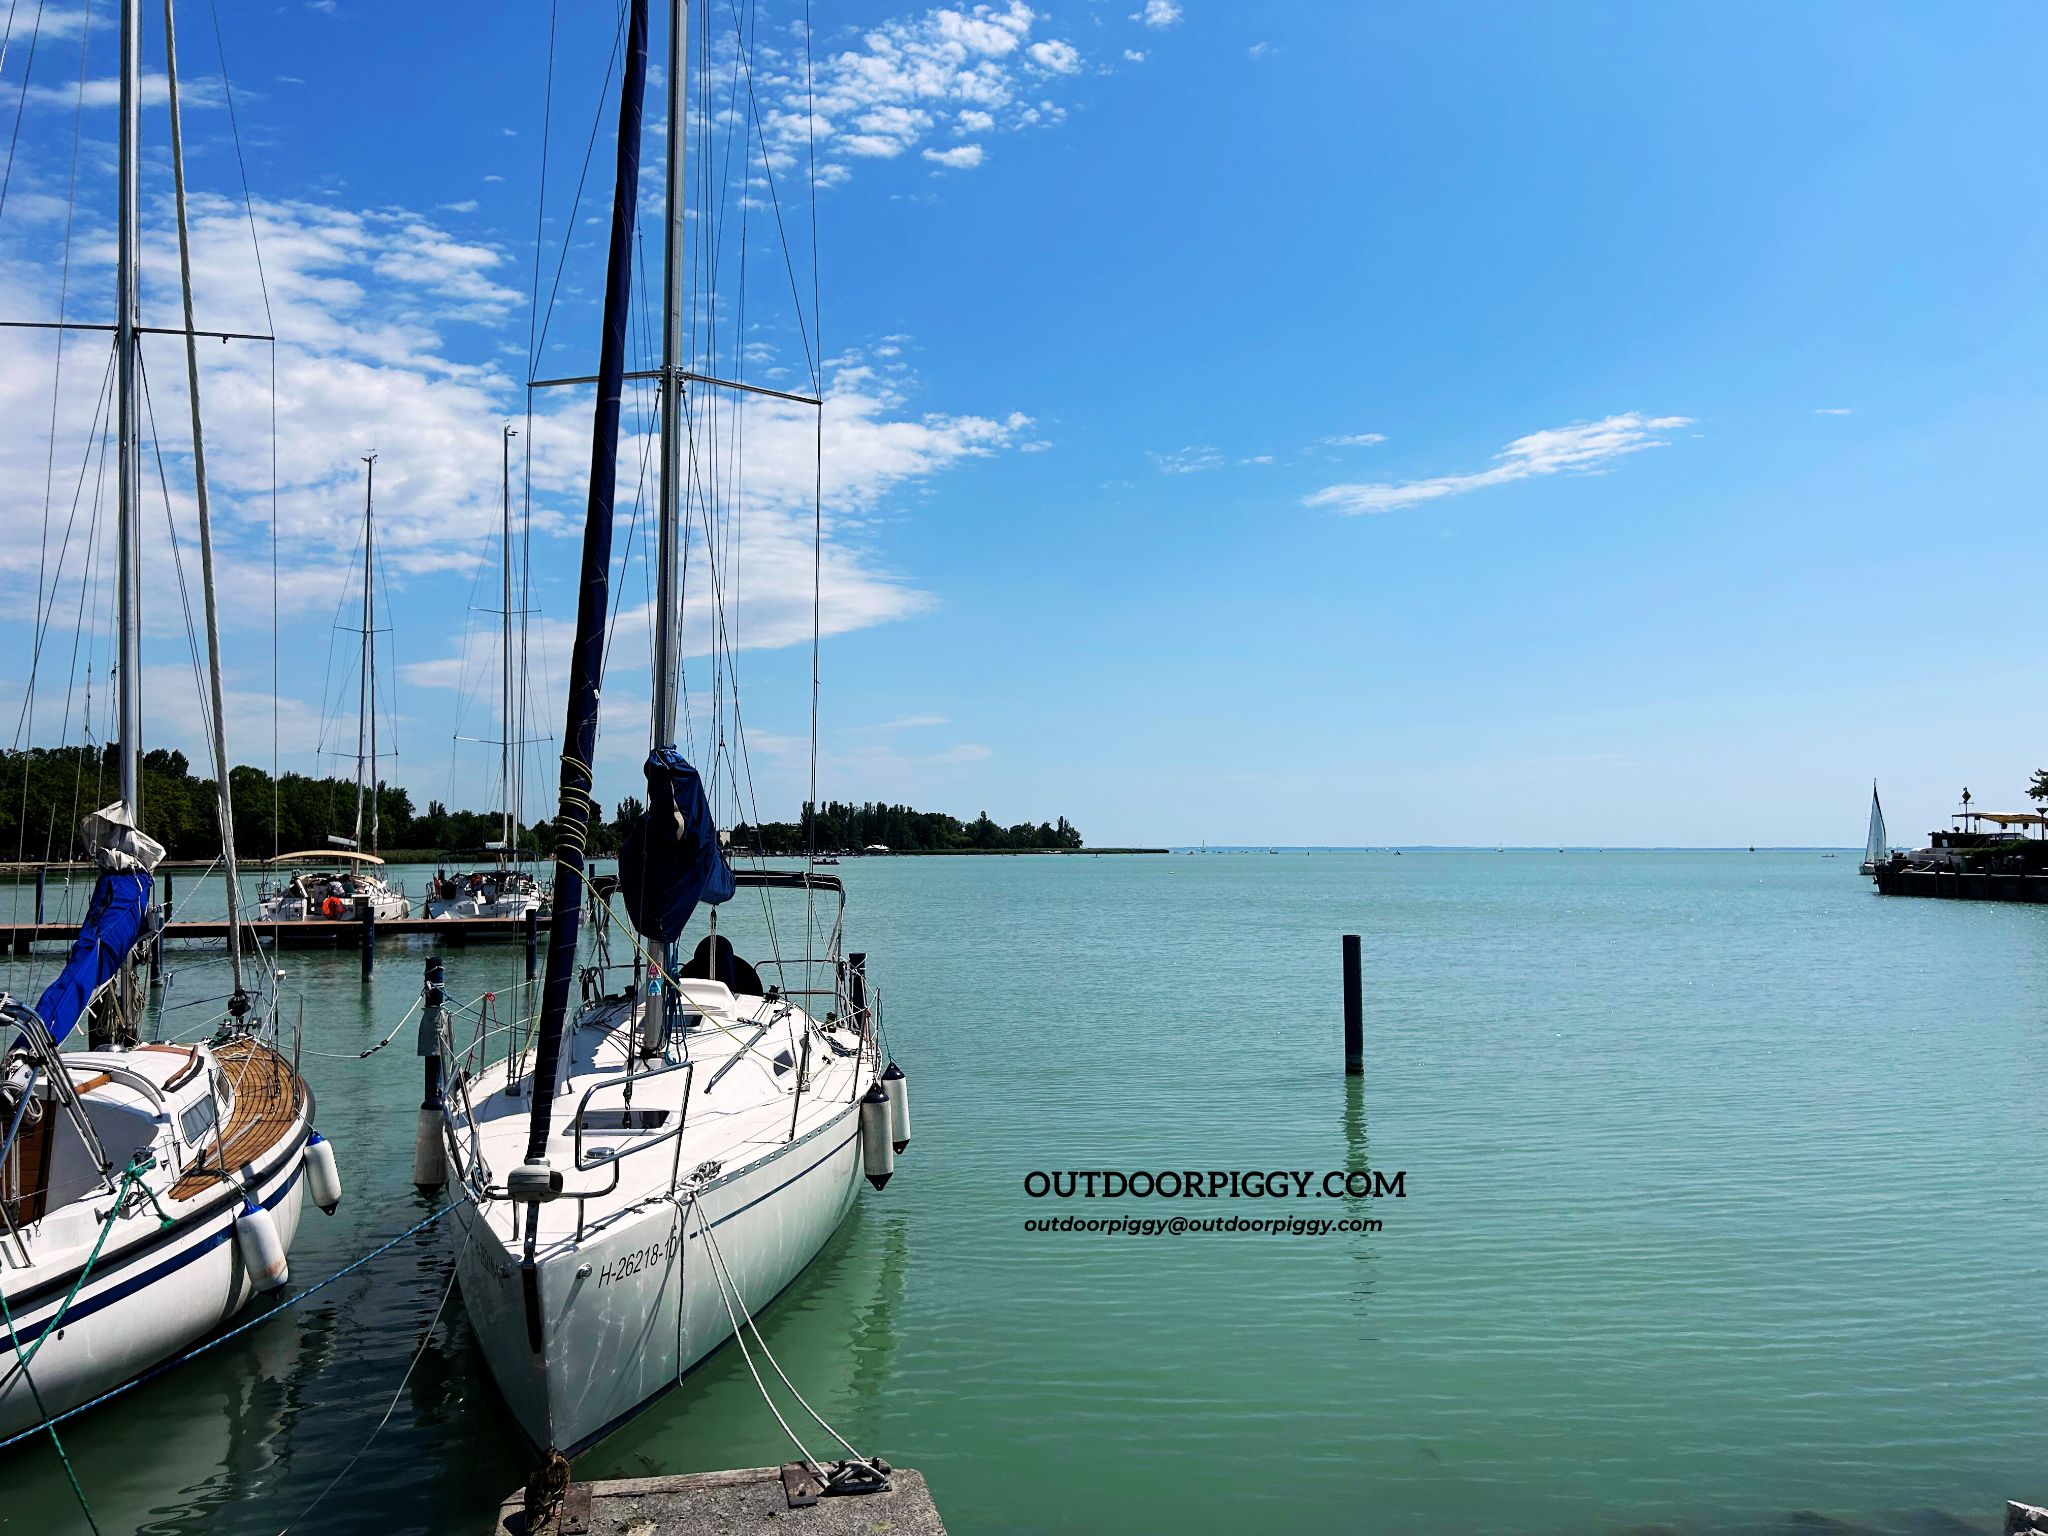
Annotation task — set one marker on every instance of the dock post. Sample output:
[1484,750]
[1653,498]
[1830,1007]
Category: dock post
[1354,1010]
[156,945]
[41,871]
[429,1156]
[366,911]
[532,942]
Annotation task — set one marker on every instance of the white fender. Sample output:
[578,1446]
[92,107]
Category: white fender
[429,1156]
[897,1086]
[323,1178]
[261,1248]
[878,1157]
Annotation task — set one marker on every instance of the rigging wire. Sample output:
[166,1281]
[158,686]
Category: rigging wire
[56,392]
[35,33]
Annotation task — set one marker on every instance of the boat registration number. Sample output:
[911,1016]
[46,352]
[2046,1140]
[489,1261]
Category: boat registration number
[626,1265]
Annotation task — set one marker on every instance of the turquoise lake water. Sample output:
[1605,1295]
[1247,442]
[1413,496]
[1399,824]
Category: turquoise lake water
[1722,1214]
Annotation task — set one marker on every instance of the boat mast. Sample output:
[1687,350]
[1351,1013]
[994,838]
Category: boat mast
[223,789]
[129,422]
[534,1181]
[505,747]
[366,683]
[668,604]
[667,598]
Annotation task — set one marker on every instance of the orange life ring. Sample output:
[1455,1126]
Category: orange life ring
[334,906]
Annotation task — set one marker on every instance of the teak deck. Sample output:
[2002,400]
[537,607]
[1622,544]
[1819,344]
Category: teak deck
[266,1107]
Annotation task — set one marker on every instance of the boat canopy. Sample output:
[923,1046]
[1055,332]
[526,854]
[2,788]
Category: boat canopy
[327,856]
[115,922]
[2011,818]
[671,860]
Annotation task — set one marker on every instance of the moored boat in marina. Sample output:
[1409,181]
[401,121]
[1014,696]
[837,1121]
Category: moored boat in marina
[663,1158]
[147,1188]
[331,887]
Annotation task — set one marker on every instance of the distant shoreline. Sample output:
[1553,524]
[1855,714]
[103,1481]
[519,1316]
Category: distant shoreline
[418,857]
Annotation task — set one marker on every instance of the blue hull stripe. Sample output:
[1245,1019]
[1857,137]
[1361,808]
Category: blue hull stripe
[128,1287]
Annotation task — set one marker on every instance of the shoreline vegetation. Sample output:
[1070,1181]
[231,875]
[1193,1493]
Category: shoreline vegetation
[45,791]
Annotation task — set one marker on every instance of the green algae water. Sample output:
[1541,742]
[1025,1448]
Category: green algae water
[1719,1213]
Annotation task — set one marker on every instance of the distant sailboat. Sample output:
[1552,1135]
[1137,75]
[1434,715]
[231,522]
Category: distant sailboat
[1875,851]
[328,885]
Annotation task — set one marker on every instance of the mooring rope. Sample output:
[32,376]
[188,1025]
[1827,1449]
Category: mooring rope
[391,1407]
[728,1291]
[159,1369]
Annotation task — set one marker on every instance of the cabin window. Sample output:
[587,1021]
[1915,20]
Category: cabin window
[195,1120]
[624,1119]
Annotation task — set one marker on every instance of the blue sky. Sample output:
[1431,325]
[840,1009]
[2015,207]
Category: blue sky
[1351,423]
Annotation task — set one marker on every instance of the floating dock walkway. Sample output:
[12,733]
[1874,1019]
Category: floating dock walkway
[318,933]
[1961,885]
[759,1499]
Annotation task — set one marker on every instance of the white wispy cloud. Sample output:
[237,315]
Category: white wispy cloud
[1833,410]
[1194,461]
[961,157]
[194,91]
[1187,461]
[1353,440]
[1158,13]
[359,299]
[979,70]
[1582,448]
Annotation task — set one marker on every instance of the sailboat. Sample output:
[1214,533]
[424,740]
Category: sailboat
[334,884]
[673,1151]
[147,1190]
[1875,852]
[505,890]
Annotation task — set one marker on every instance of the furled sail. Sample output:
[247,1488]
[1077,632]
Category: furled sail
[586,654]
[671,860]
[1875,850]
[117,919]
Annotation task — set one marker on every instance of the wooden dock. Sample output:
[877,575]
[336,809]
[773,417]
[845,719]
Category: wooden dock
[730,1504]
[1962,885]
[315,933]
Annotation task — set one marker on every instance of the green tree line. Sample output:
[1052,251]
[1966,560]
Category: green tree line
[840,826]
[45,791]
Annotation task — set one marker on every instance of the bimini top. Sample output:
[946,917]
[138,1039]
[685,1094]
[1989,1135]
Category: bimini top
[328,856]
[2008,818]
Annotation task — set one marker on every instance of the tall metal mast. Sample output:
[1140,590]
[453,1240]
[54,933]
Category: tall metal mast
[370,644]
[223,790]
[129,418]
[506,747]
[366,683]
[667,594]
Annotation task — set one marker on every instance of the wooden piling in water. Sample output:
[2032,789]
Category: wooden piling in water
[41,871]
[1354,1009]
[532,942]
[156,946]
[366,913]
[857,988]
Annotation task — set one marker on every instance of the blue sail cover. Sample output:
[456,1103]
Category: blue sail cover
[672,860]
[115,922]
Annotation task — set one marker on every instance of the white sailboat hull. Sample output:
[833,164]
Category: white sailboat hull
[146,1300]
[626,1313]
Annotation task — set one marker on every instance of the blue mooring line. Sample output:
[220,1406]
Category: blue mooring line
[199,1349]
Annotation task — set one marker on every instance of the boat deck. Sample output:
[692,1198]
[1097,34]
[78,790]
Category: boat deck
[266,1107]
[740,1107]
